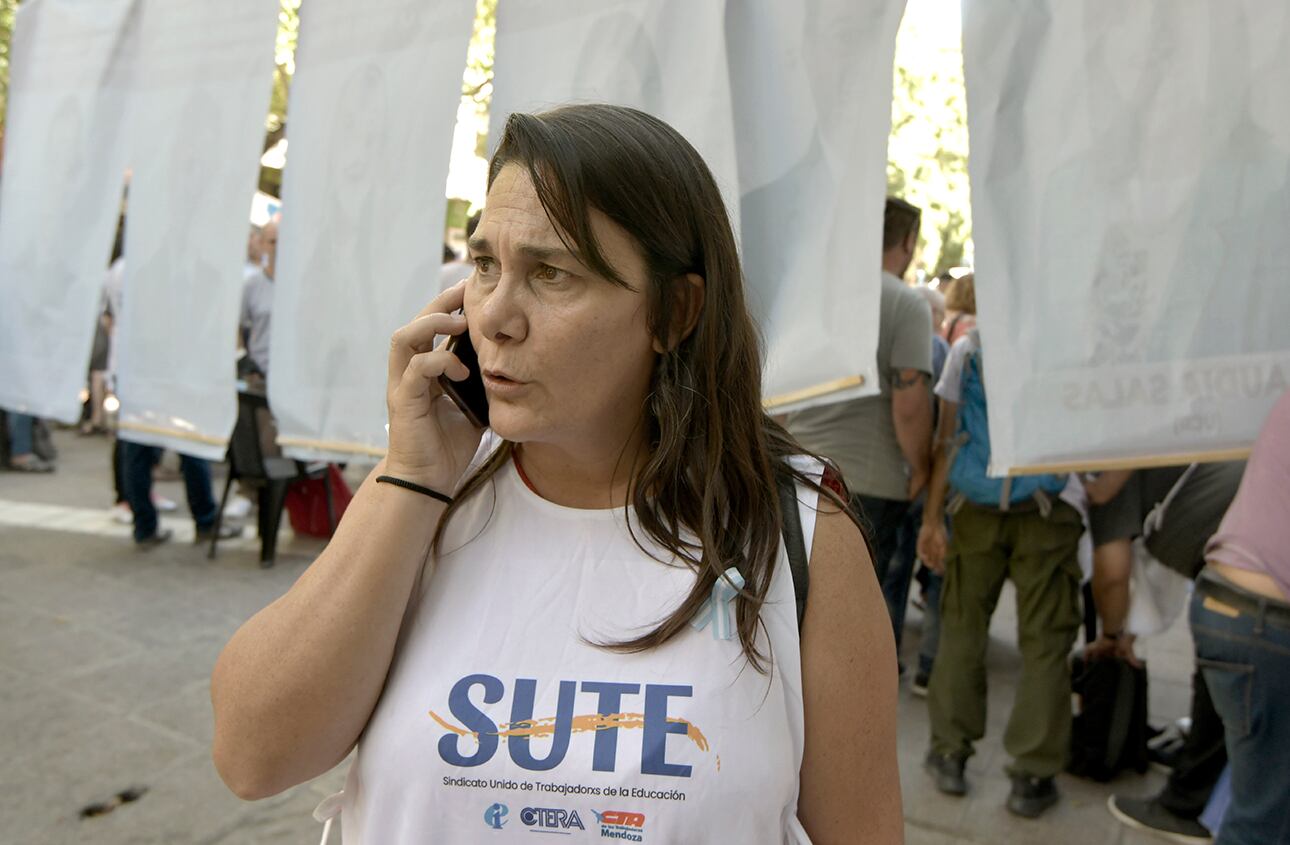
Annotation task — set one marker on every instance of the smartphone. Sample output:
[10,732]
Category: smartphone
[469,394]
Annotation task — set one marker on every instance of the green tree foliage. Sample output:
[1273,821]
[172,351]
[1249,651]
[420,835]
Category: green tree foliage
[928,149]
[477,84]
[7,9]
[284,59]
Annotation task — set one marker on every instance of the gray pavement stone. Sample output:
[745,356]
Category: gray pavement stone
[142,678]
[186,713]
[106,652]
[56,649]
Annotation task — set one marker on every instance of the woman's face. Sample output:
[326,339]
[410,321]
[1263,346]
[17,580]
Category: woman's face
[566,354]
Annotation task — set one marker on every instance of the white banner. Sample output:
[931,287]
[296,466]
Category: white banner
[373,105]
[789,105]
[203,76]
[664,57]
[1130,175]
[60,192]
[812,85]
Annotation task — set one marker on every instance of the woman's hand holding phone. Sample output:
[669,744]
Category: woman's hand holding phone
[431,441]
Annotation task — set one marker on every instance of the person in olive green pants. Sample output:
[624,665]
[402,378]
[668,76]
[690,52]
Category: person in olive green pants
[1039,555]
[1032,541]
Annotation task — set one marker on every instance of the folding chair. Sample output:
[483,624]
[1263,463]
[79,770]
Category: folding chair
[271,475]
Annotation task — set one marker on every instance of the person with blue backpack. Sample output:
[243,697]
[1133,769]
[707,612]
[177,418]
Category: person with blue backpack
[1015,529]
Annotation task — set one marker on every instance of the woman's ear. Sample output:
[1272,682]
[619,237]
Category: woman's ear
[687,305]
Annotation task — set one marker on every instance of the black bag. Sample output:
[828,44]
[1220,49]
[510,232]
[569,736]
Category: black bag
[1110,730]
[794,541]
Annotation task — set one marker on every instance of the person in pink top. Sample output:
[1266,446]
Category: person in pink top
[1240,618]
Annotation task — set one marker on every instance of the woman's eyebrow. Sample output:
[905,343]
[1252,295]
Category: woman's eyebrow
[545,253]
[537,252]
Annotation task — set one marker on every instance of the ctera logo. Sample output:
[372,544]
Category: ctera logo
[551,819]
[494,815]
[615,824]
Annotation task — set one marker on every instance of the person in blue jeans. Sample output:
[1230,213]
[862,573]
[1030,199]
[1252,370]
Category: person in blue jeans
[900,569]
[138,461]
[895,589]
[1240,622]
[22,458]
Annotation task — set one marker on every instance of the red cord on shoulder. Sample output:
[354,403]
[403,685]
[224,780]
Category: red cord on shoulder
[833,482]
[515,456]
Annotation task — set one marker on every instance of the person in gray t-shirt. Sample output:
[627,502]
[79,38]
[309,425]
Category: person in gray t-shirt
[882,443]
[257,302]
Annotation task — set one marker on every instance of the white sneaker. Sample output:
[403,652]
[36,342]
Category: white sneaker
[163,504]
[122,514]
[238,507]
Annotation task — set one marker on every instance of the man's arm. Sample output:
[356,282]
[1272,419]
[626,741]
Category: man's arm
[911,411]
[910,366]
[931,536]
[1112,567]
[1105,486]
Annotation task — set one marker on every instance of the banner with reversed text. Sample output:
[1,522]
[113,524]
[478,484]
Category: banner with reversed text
[1130,174]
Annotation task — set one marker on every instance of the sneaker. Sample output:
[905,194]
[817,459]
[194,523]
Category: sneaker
[163,535]
[947,771]
[1148,814]
[238,507]
[31,463]
[121,514]
[919,685]
[1031,796]
[226,532]
[163,504]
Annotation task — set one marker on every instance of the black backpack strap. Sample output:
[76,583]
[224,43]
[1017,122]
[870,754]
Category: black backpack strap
[794,542]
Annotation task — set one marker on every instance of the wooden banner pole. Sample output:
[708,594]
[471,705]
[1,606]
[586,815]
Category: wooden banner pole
[333,446]
[143,428]
[811,392]
[1145,462]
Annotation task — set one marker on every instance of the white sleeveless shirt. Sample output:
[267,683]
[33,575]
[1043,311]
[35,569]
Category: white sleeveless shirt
[501,718]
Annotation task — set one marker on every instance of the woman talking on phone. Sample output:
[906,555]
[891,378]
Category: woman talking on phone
[582,618]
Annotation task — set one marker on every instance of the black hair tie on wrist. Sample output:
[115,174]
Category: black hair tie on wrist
[415,488]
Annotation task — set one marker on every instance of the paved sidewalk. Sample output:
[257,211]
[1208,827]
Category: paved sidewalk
[106,652]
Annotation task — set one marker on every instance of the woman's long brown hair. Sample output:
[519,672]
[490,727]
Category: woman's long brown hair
[714,456]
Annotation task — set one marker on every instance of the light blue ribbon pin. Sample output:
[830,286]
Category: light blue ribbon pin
[716,608]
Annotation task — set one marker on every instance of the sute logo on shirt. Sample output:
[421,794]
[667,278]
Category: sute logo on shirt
[551,818]
[656,723]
